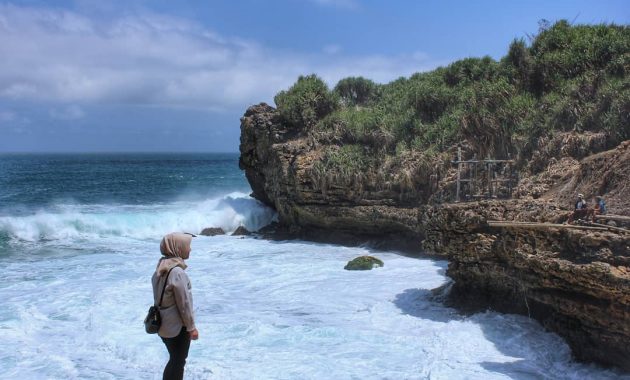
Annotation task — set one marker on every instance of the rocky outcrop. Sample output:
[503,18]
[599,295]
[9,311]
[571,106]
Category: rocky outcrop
[576,282]
[364,263]
[572,171]
[212,231]
[241,231]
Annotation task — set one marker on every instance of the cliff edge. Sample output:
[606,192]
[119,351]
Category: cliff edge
[515,139]
[576,282]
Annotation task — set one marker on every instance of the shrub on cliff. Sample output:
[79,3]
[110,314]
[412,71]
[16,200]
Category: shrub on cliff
[563,52]
[518,64]
[470,70]
[357,91]
[306,102]
[567,78]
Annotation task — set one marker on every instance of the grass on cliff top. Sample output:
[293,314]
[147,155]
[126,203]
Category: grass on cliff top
[567,78]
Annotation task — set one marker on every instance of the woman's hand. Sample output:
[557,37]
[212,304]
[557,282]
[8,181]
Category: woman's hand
[194,334]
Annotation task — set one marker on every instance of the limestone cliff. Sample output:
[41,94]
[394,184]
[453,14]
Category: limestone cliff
[576,282]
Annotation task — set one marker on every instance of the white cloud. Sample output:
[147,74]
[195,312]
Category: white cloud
[71,112]
[157,60]
[7,116]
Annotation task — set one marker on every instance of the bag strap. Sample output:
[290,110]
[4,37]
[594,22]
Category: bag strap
[164,287]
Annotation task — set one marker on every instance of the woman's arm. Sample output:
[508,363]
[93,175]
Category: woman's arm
[183,299]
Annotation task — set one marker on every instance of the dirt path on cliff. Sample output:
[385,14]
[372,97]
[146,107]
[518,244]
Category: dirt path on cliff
[605,173]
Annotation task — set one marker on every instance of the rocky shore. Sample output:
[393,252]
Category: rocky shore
[576,282]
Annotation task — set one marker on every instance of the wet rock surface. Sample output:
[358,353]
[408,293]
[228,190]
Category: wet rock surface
[241,231]
[364,263]
[212,231]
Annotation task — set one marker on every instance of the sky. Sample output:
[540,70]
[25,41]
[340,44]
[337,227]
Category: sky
[176,76]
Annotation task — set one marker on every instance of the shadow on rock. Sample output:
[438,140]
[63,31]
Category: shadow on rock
[515,336]
[426,304]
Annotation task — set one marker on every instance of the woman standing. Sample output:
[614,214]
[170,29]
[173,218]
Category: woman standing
[176,309]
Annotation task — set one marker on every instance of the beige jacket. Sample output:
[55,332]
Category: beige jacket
[177,305]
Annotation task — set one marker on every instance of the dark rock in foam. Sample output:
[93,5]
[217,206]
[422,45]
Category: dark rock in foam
[363,263]
[212,231]
[241,231]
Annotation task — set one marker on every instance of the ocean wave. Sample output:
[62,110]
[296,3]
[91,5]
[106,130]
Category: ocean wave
[4,240]
[146,221]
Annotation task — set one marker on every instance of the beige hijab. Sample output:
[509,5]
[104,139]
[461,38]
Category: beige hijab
[175,248]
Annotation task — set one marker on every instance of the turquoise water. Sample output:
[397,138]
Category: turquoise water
[44,180]
[79,237]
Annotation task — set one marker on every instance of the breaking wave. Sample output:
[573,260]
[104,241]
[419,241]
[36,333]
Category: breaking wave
[137,221]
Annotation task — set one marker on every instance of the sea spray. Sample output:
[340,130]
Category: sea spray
[85,221]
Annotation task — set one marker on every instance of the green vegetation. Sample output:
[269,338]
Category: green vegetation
[306,102]
[364,263]
[567,78]
[357,91]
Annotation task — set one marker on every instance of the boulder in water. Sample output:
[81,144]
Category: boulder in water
[364,263]
[212,231]
[241,231]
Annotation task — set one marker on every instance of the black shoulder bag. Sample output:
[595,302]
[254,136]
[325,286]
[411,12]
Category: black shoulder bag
[153,320]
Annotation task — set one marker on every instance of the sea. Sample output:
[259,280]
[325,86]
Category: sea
[79,241]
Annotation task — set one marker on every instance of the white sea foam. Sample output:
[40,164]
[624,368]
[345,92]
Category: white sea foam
[265,310]
[76,285]
[90,221]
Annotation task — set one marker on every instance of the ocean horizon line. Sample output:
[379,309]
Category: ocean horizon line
[113,152]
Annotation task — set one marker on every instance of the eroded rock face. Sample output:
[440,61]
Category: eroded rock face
[277,162]
[576,282]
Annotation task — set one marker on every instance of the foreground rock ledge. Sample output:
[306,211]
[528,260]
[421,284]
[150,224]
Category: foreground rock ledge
[575,282]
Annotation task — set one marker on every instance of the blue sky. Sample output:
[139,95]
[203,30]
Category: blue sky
[175,76]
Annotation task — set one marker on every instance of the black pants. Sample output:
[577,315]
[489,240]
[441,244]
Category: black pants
[178,352]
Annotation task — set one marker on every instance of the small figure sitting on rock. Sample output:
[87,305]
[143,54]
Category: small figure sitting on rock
[600,207]
[581,210]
